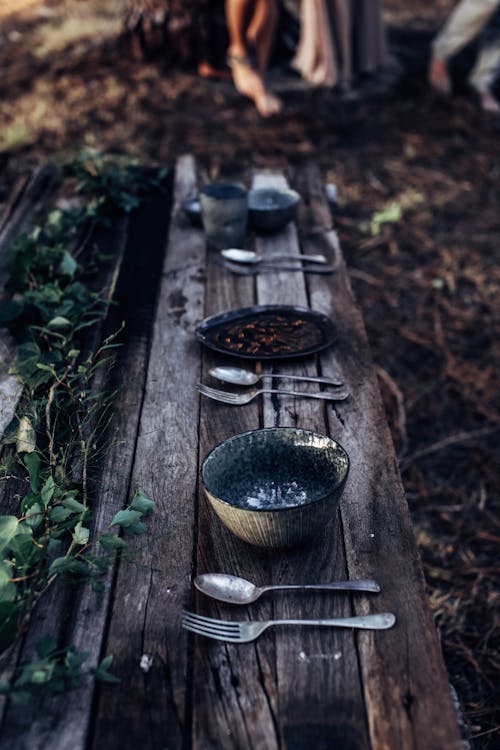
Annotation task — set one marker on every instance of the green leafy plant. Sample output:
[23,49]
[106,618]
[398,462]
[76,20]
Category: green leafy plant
[54,441]
[55,671]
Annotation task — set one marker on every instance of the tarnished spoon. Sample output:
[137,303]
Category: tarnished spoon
[248,256]
[234,590]
[239,376]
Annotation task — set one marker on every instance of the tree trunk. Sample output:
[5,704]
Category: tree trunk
[160,27]
[184,32]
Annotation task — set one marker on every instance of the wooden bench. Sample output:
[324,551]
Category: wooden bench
[294,688]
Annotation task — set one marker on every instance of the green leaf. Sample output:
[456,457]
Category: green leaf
[26,360]
[141,502]
[102,674]
[74,505]
[126,518]
[68,264]
[112,541]
[60,514]
[9,526]
[81,534]
[24,552]
[26,436]
[67,565]
[106,662]
[34,516]
[8,590]
[59,322]
[48,490]
[392,213]
[32,463]
[53,545]
[74,660]
[136,528]
[55,217]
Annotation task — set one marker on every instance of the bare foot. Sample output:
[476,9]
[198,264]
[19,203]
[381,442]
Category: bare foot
[488,102]
[439,78]
[250,83]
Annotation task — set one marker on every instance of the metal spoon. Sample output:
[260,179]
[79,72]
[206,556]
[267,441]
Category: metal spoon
[239,376]
[249,256]
[234,590]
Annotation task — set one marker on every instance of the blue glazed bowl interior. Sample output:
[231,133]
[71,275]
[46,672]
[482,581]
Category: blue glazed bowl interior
[271,199]
[269,209]
[275,469]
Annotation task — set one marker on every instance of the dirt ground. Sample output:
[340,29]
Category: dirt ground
[428,282]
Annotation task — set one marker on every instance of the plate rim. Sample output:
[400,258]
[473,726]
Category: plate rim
[253,309]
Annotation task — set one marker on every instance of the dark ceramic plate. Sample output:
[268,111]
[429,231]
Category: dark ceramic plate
[267,332]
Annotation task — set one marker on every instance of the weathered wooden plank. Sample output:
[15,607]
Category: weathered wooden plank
[10,387]
[403,711]
[144,631]
[13,198]
[234,699]
[320,696]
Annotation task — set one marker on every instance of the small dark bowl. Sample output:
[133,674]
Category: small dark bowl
[275,487]
[270,209]
[192,209]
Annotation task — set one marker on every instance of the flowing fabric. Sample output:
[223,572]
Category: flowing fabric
[339,39]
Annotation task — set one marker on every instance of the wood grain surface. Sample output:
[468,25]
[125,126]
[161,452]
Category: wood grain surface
[296,687]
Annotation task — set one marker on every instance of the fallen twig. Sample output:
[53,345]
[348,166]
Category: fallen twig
[459,437]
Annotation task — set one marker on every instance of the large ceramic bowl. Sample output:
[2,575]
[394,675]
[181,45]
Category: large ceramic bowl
[270,209]
[275,487]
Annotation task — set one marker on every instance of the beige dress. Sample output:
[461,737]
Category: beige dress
[339,39]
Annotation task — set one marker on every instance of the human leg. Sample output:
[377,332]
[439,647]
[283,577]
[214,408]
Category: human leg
[247,80]
[483,76]
[467,19]
[261,31]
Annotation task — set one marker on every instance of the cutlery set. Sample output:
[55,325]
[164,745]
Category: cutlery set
[248,263]
[238,399]
[239,376]
[235,590]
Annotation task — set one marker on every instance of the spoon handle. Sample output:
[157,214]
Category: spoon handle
[288,256]
[307,378]
[240,269]
[368,585]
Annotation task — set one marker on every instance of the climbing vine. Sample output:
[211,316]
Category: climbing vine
[51,448]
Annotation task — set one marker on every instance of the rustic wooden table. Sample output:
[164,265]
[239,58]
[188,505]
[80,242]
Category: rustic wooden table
[294,688]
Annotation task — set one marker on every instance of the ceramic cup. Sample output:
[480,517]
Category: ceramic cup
[224,211]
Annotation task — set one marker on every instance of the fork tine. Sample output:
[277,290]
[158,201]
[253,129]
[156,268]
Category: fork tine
[215,393]
[209,622]
[219,629]
[228,637]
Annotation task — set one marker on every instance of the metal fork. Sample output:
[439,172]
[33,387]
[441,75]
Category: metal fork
[246,631]
[238,399]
